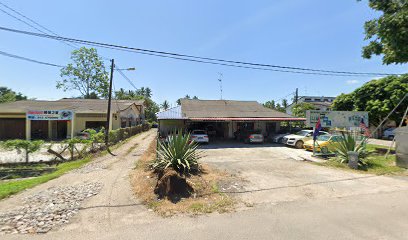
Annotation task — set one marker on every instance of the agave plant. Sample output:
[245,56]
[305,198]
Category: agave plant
[349,143]
[179,153]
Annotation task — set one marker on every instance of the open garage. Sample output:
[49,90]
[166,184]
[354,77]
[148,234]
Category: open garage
[223,119]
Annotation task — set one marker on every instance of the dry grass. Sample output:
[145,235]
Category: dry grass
[206,198]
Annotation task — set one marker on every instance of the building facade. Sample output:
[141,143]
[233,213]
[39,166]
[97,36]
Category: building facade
[321,103]
[222,118]
[65,118]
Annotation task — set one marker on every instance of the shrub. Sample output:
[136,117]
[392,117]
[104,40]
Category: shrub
[72,146]
[26,145]
[349,144]
[179,153]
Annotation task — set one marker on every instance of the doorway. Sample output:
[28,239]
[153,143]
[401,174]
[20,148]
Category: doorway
[62,129]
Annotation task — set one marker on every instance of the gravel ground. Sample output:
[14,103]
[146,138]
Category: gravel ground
[44,210]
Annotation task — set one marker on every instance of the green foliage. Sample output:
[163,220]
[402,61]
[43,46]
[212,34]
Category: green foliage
[388,34]
[349,144]
[86,74]
[165,105]
[299,110]
[26,145]
[277,106]
[12,187]
[270,104]
[8,95]
[378,97]
[72,146]
[141,94]
[179,153]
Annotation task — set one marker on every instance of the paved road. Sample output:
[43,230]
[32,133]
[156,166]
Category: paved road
[303,201]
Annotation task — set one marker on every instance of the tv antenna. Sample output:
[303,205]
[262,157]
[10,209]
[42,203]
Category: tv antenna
[220,80]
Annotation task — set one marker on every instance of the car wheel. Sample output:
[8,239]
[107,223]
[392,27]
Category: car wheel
[299,144]
[325,150]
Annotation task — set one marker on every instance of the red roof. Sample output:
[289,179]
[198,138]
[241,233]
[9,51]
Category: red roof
[248,119]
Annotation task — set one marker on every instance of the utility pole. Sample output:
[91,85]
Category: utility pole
[109,107]
[220,80]
[296,96]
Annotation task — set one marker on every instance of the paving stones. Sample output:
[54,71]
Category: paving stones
[47,209]
[90,167]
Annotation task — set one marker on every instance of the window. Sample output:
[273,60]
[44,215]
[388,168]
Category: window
[95,124]
[308,99]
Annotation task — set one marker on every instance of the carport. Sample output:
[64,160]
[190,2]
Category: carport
[222,118]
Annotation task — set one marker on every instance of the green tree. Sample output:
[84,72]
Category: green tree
[299,110]
[270,104]
[26,145]
[285,103]
[86,74]
[165,105]
[8,95]
[378,97]
[388,34]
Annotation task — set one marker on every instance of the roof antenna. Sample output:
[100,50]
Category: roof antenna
[220,80]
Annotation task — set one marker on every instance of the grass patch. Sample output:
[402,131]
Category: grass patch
[206,198]
[12,187]
[373,147]
[375,164]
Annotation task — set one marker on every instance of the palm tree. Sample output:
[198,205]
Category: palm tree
[148,92]
[165,105]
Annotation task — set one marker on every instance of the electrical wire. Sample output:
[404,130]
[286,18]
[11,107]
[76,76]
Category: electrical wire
[202,59]
[29,59]
[47,30]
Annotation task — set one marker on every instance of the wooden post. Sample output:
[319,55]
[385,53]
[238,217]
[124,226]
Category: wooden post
[28,129]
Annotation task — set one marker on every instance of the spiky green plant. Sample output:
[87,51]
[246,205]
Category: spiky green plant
[179,153]
[349,143]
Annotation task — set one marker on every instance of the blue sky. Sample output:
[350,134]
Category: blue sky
[309,33]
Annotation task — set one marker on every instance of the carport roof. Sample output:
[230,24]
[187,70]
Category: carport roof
[226,110]
[77,105]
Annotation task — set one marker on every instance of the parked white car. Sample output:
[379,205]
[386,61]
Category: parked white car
[389,133]
[278,138]
[299,138]
[199,136]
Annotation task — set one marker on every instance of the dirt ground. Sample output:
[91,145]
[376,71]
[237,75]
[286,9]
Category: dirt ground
[274,173]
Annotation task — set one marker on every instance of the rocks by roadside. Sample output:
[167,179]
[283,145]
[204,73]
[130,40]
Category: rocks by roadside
[90,167]
[45,210]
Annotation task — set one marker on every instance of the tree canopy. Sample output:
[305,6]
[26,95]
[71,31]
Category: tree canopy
[8,95]
[142,93]
[277,106]
[388,34]
[378,97]
[299,110]
[86,74]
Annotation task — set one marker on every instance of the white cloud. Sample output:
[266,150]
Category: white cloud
[351,82]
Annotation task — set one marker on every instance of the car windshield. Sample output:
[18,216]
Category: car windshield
[323,138]
[302,133]
[198,132]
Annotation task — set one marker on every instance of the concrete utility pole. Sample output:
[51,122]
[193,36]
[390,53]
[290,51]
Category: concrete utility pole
[296,96]
[220,80]
[109,107]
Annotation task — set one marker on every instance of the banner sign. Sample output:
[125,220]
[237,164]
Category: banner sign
[49,115]
[336,118]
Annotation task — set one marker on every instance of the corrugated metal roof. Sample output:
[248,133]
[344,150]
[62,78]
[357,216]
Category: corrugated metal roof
[228,109]
[77,105]
[172,113]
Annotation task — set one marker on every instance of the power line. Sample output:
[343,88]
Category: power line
[29,59]
[28,24]
[46,29]
[215,61]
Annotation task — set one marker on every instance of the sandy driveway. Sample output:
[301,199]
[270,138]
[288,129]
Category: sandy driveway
[273,174]
[296,200]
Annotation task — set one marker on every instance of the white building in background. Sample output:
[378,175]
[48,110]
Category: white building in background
[321,103]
